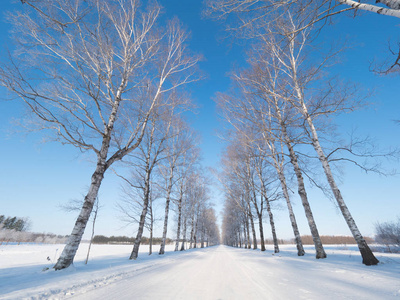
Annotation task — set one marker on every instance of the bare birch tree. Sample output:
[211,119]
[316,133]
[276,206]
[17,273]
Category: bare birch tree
[259,94]
[327,106]
[93,72]
[180,143]
[151,152]
[189,159]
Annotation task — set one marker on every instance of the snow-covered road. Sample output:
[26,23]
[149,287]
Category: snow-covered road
[211,273]
[214,273]
[228,273]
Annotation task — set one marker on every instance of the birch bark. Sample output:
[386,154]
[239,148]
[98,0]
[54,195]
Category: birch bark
[248,232]
[366,253]
[167,201]
[278,164]
[253,229]
[320,252]
[178,230]
[184,234]
[67,256]
[142,220]
[373,8]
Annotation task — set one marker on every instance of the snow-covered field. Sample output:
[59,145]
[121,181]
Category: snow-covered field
[212,273]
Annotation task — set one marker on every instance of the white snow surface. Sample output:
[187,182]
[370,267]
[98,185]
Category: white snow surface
[217,272]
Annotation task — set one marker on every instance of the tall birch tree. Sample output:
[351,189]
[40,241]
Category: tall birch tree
[178,145]
[93,72]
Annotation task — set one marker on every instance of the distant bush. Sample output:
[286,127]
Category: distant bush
[388,234]
[101,239]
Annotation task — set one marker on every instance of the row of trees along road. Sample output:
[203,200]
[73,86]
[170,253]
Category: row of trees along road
[103,76]
[278,107]
[166,166]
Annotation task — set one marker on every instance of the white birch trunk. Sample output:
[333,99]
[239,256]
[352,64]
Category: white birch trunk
[93,226]
[67,256]
[184,234]
[272,223]
[167,201]
[253,229]
[178,230]
[151,226]
[260,222]
[261,229]
[282,179]
[248,233]
[373,8]
[299,244]
[366,253]
[195,230]
[320,252]
[245,235]
[69,251]
[142,220]
[192,231]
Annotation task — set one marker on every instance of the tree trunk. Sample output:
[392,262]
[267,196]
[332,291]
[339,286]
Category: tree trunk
[202,239]
[260,226]
[366,253]
[178,230]
[272,223]
[93,225]
[167,201]
[68,254]
[244,235]
[195,231]
[248,233]
[184,235]
[253,229]
[151,226]
[192,232]
[297,237]
[320,252]
[146,197]
[278,164]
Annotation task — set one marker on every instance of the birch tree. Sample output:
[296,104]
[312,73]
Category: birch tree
[181,142]
[92,72]
[329,106]
[139,186]
[258,93]
[184,170]
[237,186]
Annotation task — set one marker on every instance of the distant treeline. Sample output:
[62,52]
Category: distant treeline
[14,230]
[325,239]
[101,239]
[13,236]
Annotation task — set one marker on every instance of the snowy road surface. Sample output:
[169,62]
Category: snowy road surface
[228,273]
[212,273]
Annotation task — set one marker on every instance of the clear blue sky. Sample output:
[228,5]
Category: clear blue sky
[35,177]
